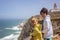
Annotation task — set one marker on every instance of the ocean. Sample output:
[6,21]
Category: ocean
[9,29]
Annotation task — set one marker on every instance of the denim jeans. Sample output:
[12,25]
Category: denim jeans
[48,38]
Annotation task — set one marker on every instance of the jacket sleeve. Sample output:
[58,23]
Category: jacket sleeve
[36,31]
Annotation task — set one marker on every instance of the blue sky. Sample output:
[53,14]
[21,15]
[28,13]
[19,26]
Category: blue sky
[10,9]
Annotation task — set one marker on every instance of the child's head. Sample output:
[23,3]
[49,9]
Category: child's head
[44,12]
[34,21]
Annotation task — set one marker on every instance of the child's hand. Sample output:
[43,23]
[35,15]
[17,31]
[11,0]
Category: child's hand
[30,34]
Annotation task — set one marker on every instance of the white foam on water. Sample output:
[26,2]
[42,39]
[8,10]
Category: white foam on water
[13,36]
[14,28]
[18,27]
[10,37]
[18,32]
[21,25]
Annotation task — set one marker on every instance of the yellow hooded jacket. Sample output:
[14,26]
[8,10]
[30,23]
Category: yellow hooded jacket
[37,33]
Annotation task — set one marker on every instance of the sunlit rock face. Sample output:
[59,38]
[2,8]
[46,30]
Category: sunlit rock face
[28,27]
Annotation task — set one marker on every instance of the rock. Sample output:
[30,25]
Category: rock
[28,27]
[25,33]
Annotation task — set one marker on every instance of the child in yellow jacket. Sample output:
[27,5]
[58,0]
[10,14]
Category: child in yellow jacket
[37,33]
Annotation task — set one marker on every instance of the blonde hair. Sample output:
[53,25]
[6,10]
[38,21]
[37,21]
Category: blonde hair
[33,19]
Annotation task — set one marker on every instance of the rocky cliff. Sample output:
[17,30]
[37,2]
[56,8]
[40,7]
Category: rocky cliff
[28,25]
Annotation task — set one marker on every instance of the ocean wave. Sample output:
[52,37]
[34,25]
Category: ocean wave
[18,32]
[14,28]
[7,37]
[18,27]
[13,36]
[10,37]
